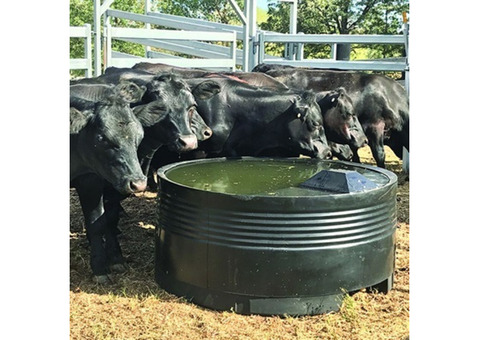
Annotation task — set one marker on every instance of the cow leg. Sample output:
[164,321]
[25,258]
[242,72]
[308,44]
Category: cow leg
[395,143]
[355,157]
[90,193]
[112,199]
[112,247]
[374,133]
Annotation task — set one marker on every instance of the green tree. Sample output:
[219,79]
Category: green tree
[81,13]
[341,17]
[212,10]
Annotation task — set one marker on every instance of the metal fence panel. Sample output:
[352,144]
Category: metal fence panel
[85,63]
[170,38]
[334,38]
[399,64]
[182,62]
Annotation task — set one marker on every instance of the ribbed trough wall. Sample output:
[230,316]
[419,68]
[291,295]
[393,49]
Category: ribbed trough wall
[273,255]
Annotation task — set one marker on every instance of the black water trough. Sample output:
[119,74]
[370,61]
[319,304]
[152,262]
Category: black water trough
[274,236]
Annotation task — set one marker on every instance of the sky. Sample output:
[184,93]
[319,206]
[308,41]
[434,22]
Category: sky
[263,4]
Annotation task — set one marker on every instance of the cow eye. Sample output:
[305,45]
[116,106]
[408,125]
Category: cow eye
[107,144]
[191,111]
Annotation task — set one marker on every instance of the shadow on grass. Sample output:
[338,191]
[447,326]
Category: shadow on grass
[138,247]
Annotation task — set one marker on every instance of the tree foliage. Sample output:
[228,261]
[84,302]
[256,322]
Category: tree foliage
[212,10]
[314,17]
[341,17]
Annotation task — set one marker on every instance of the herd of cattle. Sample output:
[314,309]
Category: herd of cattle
[128,122]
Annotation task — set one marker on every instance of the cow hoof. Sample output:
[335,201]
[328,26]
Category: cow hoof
[101,279]
[118,268]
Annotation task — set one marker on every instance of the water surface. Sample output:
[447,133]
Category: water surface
[275,177]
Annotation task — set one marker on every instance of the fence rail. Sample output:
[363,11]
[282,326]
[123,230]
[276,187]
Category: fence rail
[152,37]
[299,39]
[188,37]
[196,49]
[84,32]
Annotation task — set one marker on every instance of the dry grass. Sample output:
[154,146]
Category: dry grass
[134,307]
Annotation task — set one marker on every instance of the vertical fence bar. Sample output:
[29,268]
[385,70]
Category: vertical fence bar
[97,36]
[108,45]
[246,38]
[261,47]
[233,52]
[299,53]
[252,39]
[88,49]
[147,25]
[333,54]
[293,28]
[405,153]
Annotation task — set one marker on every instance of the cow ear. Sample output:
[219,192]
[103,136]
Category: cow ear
[130,91]
[300,109]
[301,112]
[206,89]
[327,99]
[151,113]
[78,119]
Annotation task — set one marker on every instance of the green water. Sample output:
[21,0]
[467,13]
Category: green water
[256,177]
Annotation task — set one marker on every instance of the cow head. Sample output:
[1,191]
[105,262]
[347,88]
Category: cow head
[94,92]
[342,151]
[299,130]
[170,114]
[307,126]
[200,128]
[107,135]
[341,124]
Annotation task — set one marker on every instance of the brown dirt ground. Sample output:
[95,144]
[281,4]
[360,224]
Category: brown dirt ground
[134,307]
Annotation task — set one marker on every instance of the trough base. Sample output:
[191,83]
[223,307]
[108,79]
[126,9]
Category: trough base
[244,304]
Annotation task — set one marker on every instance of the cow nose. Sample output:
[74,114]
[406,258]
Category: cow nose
[328,155]
[188,142]
[207,133]
[138,185]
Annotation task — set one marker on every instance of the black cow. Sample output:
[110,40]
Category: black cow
[162,68]
[251,121]
[150,82]
[264,68]
[342,151]
[144,68]
[167,118]
[380,103]
[163,133]
[341,123]
[254,79]
[104,137]
[166,109]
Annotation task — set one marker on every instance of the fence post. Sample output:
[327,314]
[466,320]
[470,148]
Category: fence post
[147,25]
[108,45]
[88,50]
[261,47]
[333,54]
[97,38]
[405,154]
[246,39]
[234,52]
[252,39]
[299,54]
